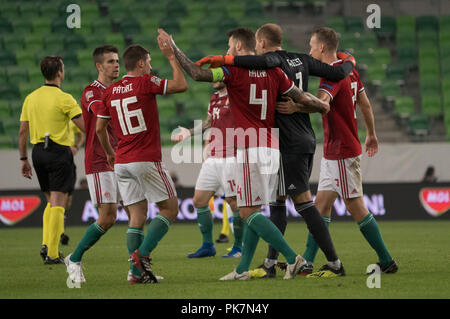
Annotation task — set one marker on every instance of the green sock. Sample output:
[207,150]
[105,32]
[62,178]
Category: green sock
[238,227]
[311,246]
[205,221]
[91,236]
[369,228]
[135,236]
[155,232]
[271,234]
[249,245]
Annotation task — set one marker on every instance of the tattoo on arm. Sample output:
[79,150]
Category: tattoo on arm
[306,102]
[206,124]
[195,72]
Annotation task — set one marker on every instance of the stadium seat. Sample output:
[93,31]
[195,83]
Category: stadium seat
[354,24]
[406,23]
[6,142]
[171,25]
[406,39]
[10,9]
[227,24]
[29,10]
[59,26]
[118,9]
[376,72]
[431,105]
[381,56]
[17,74]
[5,111]
[80,75]
[235,10]
[219,41]
[22,27]
[116,39]
[407,56]
[13,42]
[390,88]
[348,41]
[92,41]
[403,106]
[7,57]
[41,25]
[35,75]
[101,26]
[388,28]
[428,38]
[395,72]
[176,8]
[48,9]
[5,26]
[427,23]
[336,23]
[253,9]
[418,124]
[9,91]
[366,40]
[74,42]
[25,89]
[129,27]
[53,43]
[69,58]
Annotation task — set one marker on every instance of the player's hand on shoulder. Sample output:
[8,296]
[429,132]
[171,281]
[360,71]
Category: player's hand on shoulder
[346,57]
[183,134]
[216,61]
[287,106]
[371,145]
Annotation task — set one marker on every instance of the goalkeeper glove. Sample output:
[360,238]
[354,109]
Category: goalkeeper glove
[215,61]
[345,56]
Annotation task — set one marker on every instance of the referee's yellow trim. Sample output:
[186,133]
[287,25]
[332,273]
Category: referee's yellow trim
[218,74]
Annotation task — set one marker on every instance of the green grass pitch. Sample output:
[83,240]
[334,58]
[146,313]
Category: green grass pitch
[421,249]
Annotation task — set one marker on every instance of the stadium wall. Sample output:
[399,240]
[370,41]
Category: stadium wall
[394,163]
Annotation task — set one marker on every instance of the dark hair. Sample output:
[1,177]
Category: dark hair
[50,65]
[245,35]
[132,55]
[101,50]
[328,37]
[272,33]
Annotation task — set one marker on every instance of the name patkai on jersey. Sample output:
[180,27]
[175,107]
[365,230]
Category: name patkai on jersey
[257,73]
[122,89]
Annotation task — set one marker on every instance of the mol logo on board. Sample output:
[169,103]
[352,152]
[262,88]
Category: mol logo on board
[436,201]
[15,208]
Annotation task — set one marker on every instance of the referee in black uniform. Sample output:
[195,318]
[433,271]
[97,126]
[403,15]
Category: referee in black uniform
[46,114]
[297,142]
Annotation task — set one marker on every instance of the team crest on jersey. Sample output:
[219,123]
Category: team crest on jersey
[88,95]
[156,80]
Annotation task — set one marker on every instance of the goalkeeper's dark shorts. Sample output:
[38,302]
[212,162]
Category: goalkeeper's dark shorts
[295,172]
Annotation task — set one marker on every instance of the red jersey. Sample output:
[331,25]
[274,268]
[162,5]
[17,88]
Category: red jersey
[253,95]
[130,103]
[222,143]
[94,156]
[339,125]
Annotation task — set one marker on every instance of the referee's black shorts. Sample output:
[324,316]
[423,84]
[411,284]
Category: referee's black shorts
[54,167]
[295,172]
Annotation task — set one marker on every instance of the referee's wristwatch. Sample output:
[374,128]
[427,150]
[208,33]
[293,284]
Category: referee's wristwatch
[24,158]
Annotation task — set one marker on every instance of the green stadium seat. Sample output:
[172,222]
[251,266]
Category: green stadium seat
[74,42]
[428,66]
[227,24]
[381,56]
[148,42]
[444,23]
[13,42]
[431,105]
[6,142]
[7,57]
[176,8]
[418,124]
[149,27]
[403,106]
[53,43]
[16,107]
[189,25]
[29,10]
[388,28]
[376,72]
[49,9]
[5,26]
[348,41]
[11,126]
[92,41]
[59,26]
[117,40]
[118,9]
[407,56]
[427,23]
[10,9]
[390,88]
[219,41]
[17,74]
[90,12]
[428,53]
[41,25]
[129,27]
[406,39]
[35,75]
[9,91]
[235,10]
[406,23]
[336,23]
[367,40]
[101,26]
[428,38]
[84,57]
[253,9]
[5,111]
[171,25]
[22,27]
[354,24]
[70,58]
[80,75]
[395,72]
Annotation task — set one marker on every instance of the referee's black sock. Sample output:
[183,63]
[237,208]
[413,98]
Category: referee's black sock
[318,229]
[278,217]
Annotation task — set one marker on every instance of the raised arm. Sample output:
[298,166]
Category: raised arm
[301,101]
[371,142]
[254,62]
[178,83]
[194,71]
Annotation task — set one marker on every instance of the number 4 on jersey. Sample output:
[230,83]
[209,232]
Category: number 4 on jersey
[259,101]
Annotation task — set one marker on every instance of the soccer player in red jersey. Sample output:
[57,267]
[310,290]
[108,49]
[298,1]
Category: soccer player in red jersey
[130,105]
[217,172]
[340,172]
[253,97]
[99,174]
